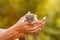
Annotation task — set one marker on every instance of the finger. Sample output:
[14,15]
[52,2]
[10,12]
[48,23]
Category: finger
[41,25]
[37,31]
[31,32]
[34,30]
[42,22]
[39,22]
[36,27]
[44,18]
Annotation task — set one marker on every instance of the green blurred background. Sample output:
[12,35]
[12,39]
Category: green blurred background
[12,10]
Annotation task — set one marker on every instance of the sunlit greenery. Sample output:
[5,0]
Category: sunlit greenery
[12,10]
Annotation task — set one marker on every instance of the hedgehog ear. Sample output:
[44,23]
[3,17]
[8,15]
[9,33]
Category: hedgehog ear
[28,13]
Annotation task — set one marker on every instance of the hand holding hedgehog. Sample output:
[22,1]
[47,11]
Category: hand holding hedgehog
[28,24]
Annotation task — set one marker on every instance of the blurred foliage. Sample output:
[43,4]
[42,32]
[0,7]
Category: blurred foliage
[12,10]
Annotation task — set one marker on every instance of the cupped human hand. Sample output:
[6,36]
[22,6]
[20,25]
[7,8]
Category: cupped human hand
[26,28]
[32,28]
